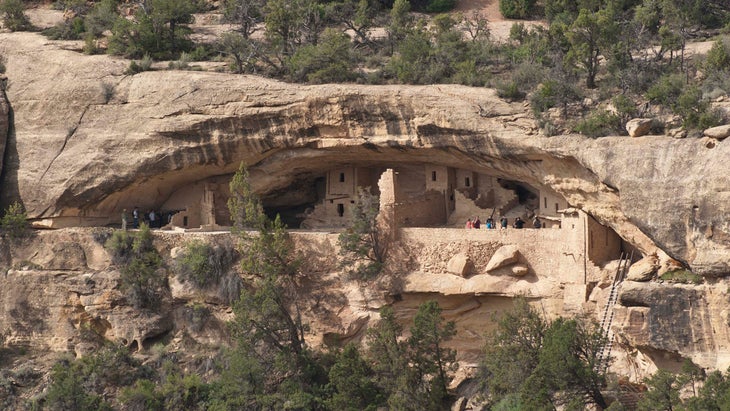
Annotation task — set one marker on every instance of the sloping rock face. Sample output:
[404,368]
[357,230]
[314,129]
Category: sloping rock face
[4,121]
[669,322]
[90,140]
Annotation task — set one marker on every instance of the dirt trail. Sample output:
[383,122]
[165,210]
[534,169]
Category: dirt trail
[499,26]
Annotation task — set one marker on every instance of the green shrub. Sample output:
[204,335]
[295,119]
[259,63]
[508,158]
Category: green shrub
[681,276]
[143,65]
[139,261]
[203,52]
[548,127]
[141,396]
[66,30]
[625,108]
[183,63]
[15,221]
[80,384]
[120,246]
[329,61]
[600,123]
[146,63]
[516,9]
[528,75]
[510,91]
[197,315]
[13,15]
[695,110]
[469,73]
[101,17]
[67,390]
[205,266]
[200,264]
[107,91]
[544,97]
[90,44]
[440,6]
[667,89]
[718,57]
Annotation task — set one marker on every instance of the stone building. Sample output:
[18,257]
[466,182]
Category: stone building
[417,195]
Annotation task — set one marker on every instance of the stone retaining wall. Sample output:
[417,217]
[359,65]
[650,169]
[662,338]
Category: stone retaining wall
[555,253]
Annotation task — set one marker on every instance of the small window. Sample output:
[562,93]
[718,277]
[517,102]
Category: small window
[185,221]
[342,177]
[544,203]
[341,210]
[467,183]
[556,207]
[433,176]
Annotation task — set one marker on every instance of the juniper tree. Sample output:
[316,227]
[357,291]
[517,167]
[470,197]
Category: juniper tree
[15,221]
[416,371]
[536,364]
[267,326]
[139,264]
[363,245]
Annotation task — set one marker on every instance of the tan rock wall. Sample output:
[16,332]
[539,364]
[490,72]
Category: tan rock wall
[55,283]
[4,120]
[557,254]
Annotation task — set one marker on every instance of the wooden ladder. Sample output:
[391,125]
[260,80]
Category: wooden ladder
[608,311]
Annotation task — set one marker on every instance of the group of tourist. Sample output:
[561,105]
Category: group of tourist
[153,219]
[503,223]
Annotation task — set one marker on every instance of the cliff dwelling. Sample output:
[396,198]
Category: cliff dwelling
[419,195]
[422,196]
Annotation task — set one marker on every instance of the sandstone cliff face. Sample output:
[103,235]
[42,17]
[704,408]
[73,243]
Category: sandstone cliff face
[4,121]
[90,140]
[59,292]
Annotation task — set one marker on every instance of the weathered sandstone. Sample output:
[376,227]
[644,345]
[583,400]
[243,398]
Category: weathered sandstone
[506,255]
[638,127]
[4,120]
[459,265]
[719,132]
[49,304]
[644,269]
[78,156]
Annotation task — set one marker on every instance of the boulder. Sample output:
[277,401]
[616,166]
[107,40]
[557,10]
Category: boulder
[460,264]
[520,270]
[504,256]
[677,132]
[638,127]
[719,132]
[644,269]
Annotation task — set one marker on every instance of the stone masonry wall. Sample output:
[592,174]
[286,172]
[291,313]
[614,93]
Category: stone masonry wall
[557,253]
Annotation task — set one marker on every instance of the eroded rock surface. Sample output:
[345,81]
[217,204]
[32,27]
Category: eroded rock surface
[82,153]
[4,120]
[666,320]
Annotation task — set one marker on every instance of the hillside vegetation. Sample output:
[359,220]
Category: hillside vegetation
[594,65]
